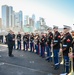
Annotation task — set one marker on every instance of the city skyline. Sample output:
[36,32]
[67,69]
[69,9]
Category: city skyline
[58,12]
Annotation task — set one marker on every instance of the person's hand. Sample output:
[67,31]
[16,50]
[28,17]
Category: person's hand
[13,39]
[60,50]
[70,55]
[46,43]
[51,45]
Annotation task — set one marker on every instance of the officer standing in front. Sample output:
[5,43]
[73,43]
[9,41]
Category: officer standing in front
[67,41]
[48,44]
[10,43]
[56,47]
[19,41]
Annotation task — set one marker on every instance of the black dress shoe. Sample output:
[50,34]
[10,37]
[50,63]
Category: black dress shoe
[64,73]
[47,58]
[30,51]
[11,55]
[23,49]
[56,68]
[17,49]
[50,60]
[43,56]
[40,55]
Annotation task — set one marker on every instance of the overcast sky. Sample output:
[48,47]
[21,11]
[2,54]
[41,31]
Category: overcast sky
[55,12]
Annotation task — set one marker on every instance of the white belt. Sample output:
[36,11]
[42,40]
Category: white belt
[64,45]
[55,40]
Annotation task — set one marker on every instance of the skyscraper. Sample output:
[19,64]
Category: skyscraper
[13,19]
[37,25]
[33,17]
[10,16]
[31,22]
[21,18]
[26,20]
[42,20]
[0,23]
[5,16]
[18,19]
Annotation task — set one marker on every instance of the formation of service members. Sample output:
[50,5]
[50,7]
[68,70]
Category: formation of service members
[46,45]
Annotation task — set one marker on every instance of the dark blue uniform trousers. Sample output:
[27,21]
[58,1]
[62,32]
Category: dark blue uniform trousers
[56,57]
[66,64]
[48,49]
[25,45]
[37,48]
[19,45]
[32,46]
[43,51]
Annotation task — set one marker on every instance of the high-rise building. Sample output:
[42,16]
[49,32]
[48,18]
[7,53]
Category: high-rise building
[26,20]
[31,22]
[18,19]
[7,13]
[37,25]
[33,17]
[42,20]
[10,16]
[28,24]
[5,16]
[0,23]
[21,18]
[13,19]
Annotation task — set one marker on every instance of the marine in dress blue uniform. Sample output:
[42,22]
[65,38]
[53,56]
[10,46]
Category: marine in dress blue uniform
[73,49]
[25,42]
[37,43]
[56,47]
[48,44]
[28,40]
[19,41]
[42,43]
[32,42]
[67,43]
